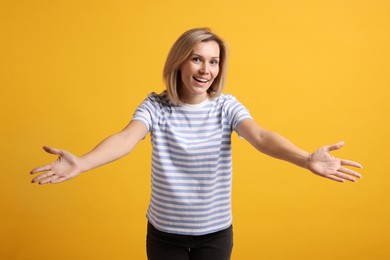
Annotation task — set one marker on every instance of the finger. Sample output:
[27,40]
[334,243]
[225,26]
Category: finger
[351,163]
[345,177]
[58,180]
[350,172]
[41,169]
[49,179]
[335,178]
[52,150]
[42,176]
[335,146]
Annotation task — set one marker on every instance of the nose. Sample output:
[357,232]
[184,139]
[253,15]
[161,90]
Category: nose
[204,69]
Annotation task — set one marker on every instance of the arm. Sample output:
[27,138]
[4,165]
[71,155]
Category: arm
[68,166]
[320,162]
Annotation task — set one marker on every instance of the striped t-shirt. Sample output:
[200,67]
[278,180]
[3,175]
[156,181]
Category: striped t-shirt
[191,162]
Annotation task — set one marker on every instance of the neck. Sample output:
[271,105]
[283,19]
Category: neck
[194,99]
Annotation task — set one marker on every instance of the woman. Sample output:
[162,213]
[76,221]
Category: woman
[190,124]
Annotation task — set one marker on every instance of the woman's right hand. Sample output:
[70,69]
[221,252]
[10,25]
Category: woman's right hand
[66,167]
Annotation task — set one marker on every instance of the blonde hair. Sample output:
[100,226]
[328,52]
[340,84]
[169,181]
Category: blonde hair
[180,52]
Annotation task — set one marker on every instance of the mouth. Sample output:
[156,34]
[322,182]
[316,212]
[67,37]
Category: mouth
[201,80]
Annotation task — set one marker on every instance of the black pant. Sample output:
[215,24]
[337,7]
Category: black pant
[166,246]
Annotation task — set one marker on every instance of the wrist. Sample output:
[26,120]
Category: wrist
[305,161]
[84,165]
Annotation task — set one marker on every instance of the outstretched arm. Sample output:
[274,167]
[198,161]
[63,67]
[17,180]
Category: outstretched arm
[321,162]
[68,166]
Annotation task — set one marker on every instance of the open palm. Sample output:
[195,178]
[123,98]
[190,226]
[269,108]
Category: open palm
[67,166]
[322,163]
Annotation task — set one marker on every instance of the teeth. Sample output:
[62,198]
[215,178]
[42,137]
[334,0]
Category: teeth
[201,80]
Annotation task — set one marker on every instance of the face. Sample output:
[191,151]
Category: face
[199,71]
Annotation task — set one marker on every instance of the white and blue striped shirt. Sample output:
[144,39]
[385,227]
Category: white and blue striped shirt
[191,162]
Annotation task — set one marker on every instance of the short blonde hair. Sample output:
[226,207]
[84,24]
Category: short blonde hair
[180,52]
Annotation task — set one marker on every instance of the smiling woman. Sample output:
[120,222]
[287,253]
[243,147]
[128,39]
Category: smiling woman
[199,71]
[190,124]
[203,48]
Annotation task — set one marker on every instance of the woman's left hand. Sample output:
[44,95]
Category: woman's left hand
[322,163]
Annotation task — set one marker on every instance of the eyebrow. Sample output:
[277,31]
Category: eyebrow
[217,57]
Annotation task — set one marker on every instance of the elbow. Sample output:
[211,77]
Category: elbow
[263,141]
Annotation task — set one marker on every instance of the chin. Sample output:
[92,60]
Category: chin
[200,91]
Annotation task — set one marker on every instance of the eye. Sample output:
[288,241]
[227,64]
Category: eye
[196,59]
[214,62]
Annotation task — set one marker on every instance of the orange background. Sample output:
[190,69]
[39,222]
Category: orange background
[72,72]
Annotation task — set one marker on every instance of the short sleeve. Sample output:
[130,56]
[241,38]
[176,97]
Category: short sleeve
[147,111]
[235,111]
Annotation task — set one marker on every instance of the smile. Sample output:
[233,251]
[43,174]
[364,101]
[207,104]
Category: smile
[201,80]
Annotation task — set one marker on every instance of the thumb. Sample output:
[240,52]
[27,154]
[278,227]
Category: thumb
[52,150]
[335,146]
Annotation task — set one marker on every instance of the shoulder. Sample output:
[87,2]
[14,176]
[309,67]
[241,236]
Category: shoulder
[226,99]
[158,100]
[223,98]
[231,104]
